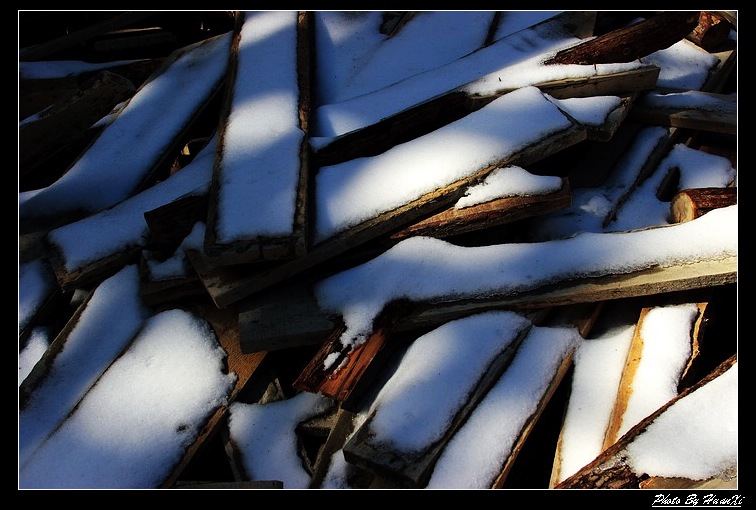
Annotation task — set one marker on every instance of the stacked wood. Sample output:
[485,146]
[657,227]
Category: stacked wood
[258,293]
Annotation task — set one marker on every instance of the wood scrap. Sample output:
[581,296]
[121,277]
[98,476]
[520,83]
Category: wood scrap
[690,204]
[335,370]
[656,33]
[723,119]
[712,31]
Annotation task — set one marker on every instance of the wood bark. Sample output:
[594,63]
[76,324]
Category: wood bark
[627,44]
[690,204]
[711,32]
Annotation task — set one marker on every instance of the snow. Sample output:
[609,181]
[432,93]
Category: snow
[131,388]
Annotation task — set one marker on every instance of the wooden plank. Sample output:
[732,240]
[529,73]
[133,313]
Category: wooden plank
[696,116]
[412,469]
[223,243]
[108,147]
[690,204]
[261,327]
[340,432]
[610,469]
[656,33]
[453,221]
[531,421]
[453,105]
[155,292]
[315,324]
[627,388]
[244,365]
[169,224]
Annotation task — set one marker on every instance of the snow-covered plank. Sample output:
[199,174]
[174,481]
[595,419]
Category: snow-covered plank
[316,318]
[437,385]
[481,454]
[90,249]
[134,424]
[67,120]
[690,110]
[99,331]
[123,156]
[657,360]
[259,191]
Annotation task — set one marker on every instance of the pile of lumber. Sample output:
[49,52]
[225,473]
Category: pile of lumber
[255,288]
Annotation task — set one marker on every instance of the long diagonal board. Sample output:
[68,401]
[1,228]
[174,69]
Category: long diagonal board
[569,283]
[259,192]
[502,139]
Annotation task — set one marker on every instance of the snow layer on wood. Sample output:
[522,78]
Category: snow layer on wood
[112,317]
[358,190]
[118,228]
[134,425]
[427,269]
[511,402]
[260,163]
[435,378]
[266,437]
[709,445]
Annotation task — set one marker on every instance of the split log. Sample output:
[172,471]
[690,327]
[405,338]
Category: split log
[627,44]
[690,204]
[613,470]
[335,370]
